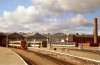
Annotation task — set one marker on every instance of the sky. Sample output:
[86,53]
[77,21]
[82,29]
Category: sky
[45,16]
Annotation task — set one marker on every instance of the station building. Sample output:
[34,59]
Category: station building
[86,40]
[2,39]
[15,37]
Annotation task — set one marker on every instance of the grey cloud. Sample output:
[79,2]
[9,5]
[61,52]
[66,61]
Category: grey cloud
[61,6]
[38,20]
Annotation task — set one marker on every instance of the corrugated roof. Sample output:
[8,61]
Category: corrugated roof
[15,36]
[37,36]
[2,34]
[90,36]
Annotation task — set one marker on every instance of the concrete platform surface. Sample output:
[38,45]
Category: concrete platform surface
[8,57]
[72,52]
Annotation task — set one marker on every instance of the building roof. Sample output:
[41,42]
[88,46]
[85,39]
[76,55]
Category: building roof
[15,36]
[2,34]
[37,36]
[87,36]
[59,36]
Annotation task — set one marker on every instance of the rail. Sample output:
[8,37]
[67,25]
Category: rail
[69,58]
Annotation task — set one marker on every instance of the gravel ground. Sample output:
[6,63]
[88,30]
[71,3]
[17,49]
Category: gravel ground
[84,54]
[39,59]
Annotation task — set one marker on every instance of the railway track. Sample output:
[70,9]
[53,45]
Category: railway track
[35,58]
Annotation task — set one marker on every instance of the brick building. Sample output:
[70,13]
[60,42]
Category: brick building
[2,39]
[86,40]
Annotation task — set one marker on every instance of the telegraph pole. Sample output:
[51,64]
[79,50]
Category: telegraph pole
[49,39]
[7,40]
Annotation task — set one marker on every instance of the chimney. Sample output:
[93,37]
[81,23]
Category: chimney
[95,31]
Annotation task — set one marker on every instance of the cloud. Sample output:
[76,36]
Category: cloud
[79,20]
[76,6]
[36,19]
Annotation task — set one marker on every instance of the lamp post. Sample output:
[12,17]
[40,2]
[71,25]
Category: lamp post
[7,41]
[67,39]
[34,40]
[49,39]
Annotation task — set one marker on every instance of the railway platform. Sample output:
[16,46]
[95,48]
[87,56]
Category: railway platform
[8,57]
[75,57]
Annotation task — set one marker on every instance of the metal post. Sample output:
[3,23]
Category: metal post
[49,39]
[67,39]
[34,40]
[7,41]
